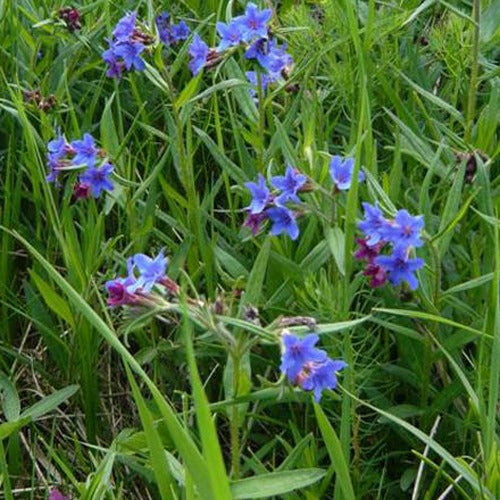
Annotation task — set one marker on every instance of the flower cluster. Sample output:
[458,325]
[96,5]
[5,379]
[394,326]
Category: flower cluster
[275,206]
[170,33]
[125,47]
[83,155]
[341,171]
[143,275]
[403,233]
[308,366]
[250,30]
[71,17]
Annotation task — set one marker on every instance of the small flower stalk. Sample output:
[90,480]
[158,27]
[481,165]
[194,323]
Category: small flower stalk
[85,157]
[307,366]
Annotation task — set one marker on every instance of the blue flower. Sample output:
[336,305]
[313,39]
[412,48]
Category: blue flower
[163,27]
[98,179]
[321,376]
[125,27]
[260,195]
[231,34]
[297,352]
[253,78]
[130,53]
[115,67]
[400,267]
[341,172]
[152,270]
[289,184]
[270,56]
[405,230]
[179,32]
[283,221]
[254,22]
[58,148]
[85,150]
[198,50]
[374,224]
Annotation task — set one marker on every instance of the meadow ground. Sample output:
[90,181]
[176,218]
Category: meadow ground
[249,251]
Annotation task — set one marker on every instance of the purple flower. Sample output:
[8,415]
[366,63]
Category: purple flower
[198,50]
[297,352]
[85,150]
[253,222]
[98,179]
[260,195]
[231,34]
[121,291]
[341,172]
[283,221]
[377,274]
[319,376]
[367,252]
[400,267]
[125,27]
[55,494]
[130,53]
[289,184]
[254,22]
[152,270]
[374,224]
[405,230]
[179,32]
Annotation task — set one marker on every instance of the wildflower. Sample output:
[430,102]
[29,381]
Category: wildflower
[231,34]
[152,270]
[270,56]
[71,17]
[130,54]
[400,267]
[171,34]
[253,78]
[58,147]
[289,184]
[405,230]
[341,172]
[179,32]
[85,150]
[115,67]
[253,222]
[319,376]
[198,50]
[98,179]
[81,191]
[283,221]
[377,274]
[55,494]
[367,252]
[260,195]
[254,22]
[297,352]
[125,27]
[374,225]
[122,291]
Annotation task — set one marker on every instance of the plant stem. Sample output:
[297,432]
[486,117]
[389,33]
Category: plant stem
[234,424]
[471,100]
